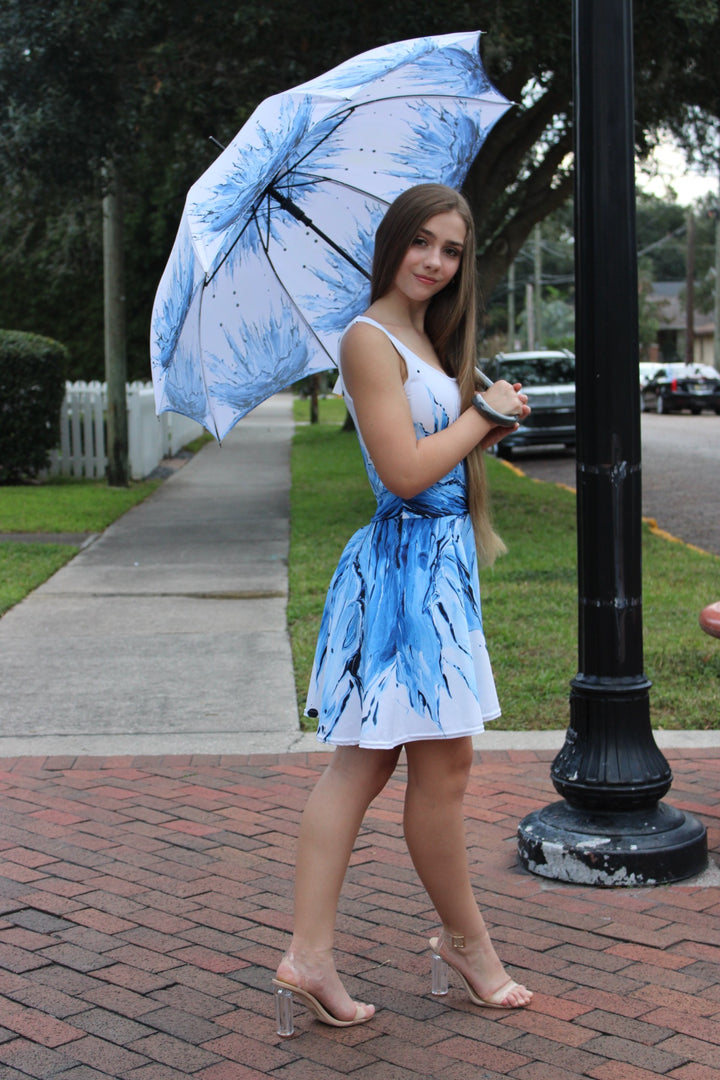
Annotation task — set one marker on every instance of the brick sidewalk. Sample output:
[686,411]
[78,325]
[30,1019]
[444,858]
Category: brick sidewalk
[144,903]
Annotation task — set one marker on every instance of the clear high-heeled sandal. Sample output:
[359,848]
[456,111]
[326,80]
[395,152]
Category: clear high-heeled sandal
[284,992]
[439,974]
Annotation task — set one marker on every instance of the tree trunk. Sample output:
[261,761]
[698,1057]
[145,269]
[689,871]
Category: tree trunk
[314,406]
[115,337]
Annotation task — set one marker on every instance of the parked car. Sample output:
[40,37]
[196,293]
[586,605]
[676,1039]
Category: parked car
[548,379]
[683,386]
[647,368]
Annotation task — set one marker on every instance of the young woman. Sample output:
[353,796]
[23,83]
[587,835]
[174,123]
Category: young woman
[401,659]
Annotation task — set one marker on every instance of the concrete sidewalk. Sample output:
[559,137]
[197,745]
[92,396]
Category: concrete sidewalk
[167,634]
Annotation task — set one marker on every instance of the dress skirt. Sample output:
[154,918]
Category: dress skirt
[401,653]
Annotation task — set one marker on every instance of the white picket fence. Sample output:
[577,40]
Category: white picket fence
[82,431]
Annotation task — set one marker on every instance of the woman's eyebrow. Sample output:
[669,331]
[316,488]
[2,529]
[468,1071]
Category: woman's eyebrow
[431,234]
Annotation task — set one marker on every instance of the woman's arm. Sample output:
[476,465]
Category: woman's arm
[371,370]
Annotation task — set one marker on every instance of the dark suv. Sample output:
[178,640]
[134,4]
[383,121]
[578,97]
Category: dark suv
[682,386]
[548,379]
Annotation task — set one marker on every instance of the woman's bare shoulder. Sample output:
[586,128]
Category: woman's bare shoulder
[363,338]
[363,331]
[367,352]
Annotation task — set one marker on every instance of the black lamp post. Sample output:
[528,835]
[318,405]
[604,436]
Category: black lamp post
[611,827]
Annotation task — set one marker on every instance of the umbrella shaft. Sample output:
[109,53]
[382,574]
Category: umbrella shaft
[300,215]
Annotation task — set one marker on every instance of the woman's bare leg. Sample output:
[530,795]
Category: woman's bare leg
[438,773]
[329,828]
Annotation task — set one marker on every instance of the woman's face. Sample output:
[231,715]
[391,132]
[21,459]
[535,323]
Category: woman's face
[433,258]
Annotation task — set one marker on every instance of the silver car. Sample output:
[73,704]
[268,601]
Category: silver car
[548,378]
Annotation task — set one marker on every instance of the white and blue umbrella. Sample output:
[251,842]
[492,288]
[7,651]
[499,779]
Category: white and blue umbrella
[273,255]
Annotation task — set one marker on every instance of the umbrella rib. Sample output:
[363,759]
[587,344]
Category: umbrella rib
[296,307]
[311,150]
[315,178]
[208,396]
[300,215]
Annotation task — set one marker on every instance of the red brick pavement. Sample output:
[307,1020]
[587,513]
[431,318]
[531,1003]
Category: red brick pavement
[144,903]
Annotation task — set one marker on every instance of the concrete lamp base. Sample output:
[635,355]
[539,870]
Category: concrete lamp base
[612,848]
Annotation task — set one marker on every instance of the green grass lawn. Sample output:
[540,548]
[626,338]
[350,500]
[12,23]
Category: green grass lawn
[25,566]
[62,505]
[56,506]
[529,597]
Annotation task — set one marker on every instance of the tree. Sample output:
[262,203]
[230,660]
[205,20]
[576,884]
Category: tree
[48,134]
[79,81]
[143,83]
[525,171]
[661,228]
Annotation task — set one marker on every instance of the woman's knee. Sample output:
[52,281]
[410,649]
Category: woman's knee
[440,766]
[368,770]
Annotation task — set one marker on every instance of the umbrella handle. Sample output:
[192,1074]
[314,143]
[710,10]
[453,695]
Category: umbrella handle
[479,402]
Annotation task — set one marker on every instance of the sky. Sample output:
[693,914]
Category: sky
[673,173]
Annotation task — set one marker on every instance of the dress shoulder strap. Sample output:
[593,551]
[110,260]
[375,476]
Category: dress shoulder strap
[403,349]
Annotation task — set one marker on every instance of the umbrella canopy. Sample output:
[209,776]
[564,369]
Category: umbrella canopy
[273,255]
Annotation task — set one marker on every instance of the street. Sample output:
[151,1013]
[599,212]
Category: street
[680,478]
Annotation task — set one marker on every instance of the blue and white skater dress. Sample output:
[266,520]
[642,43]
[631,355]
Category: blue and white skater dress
[401,653]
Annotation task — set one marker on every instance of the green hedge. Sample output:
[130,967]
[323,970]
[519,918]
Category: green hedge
[32,387]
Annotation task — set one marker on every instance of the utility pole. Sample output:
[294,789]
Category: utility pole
[690,291]
[115,338]
[538,288]
[511,307]
[529,316]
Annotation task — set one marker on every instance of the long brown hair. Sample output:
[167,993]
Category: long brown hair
[450,322]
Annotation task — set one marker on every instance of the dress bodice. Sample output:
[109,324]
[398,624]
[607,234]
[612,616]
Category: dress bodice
[434,399]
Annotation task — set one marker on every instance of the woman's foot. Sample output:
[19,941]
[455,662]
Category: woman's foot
[479,967]
[316,982]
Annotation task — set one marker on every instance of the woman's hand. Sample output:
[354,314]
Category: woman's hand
[506,398]
[516,405]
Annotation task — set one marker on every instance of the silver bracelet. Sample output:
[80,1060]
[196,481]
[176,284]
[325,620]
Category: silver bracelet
[496,418]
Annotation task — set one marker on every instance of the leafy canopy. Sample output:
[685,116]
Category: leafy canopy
[145,82]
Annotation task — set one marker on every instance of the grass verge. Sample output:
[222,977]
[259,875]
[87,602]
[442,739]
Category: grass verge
[529,598]
[25,566]
[63,505]
[56,506]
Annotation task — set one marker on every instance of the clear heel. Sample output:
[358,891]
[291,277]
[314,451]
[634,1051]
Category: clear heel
[439,971]
[496,1000]
[284,1011]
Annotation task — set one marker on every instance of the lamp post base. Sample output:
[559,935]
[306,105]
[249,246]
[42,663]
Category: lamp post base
[651,846]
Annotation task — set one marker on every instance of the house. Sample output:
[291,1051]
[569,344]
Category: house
[668,298]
